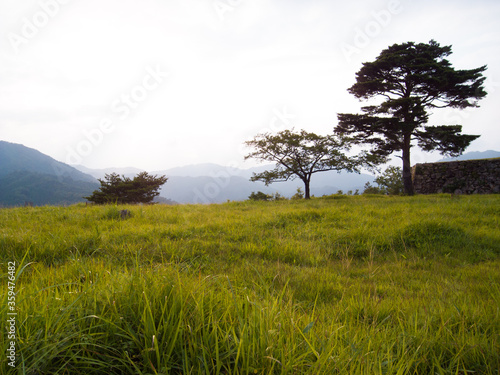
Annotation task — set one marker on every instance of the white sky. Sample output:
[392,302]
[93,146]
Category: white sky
[177,82]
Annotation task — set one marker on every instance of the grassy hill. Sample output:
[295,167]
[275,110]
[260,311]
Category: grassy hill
[339,285]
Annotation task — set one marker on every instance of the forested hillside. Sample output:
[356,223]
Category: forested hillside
[27,175]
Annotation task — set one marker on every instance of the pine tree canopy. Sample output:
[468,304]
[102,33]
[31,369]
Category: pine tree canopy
[120,189]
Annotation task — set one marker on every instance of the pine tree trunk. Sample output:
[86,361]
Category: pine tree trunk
[407,181]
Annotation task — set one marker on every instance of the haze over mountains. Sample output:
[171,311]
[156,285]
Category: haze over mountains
[27,175]
[213,183]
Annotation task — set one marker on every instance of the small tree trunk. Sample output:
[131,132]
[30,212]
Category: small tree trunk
[407,181]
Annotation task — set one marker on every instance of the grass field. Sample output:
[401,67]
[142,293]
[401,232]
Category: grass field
[334,285]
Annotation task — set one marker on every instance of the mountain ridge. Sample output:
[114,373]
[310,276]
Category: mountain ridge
[29,175]
[16,157]
[215,183]
[25,187]
[474,155]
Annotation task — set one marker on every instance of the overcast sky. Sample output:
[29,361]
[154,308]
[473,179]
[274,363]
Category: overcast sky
[162,83]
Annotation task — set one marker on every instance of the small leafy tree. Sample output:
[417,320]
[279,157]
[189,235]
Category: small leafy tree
[298,195]
[143,188]
[370,189]
[411,79]
[301,154]
[259,196]
[278,197]
[389,182]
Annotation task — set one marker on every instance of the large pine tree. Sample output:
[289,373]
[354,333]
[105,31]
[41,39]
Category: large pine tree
[411,79]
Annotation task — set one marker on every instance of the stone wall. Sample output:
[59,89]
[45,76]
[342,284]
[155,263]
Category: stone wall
[459,177]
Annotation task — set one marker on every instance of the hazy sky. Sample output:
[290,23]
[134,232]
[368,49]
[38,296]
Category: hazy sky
[162,83]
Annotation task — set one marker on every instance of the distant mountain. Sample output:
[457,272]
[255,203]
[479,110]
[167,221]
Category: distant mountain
[204,189]
[490,154]
[15,157]
[19,187]
[27,175]
[213,183]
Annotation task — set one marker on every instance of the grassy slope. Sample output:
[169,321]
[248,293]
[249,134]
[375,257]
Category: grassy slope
[346,285]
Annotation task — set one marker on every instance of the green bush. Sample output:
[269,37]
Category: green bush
[259,196]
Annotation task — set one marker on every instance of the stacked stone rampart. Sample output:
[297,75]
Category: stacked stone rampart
[458,177]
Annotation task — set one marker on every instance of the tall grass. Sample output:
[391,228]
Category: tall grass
[360,285]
